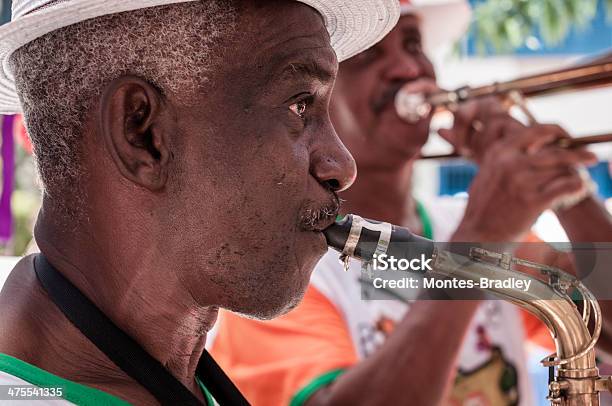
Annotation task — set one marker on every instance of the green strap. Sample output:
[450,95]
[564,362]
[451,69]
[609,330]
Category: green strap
[425,220]
[73,392]
[207,395]
[319,382]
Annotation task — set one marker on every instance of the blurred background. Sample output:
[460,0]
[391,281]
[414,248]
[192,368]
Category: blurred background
[507,39]
[514,38]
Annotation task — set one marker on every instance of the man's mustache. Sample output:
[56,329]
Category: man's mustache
[322,216]
[387,97]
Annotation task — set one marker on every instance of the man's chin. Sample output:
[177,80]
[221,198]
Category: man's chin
[278,286]
[280,310]
[282,294]
[280,302]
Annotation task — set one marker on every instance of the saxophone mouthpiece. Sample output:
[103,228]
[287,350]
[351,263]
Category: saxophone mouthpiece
[361,238]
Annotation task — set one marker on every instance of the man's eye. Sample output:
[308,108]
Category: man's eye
[299,108]
[413,46]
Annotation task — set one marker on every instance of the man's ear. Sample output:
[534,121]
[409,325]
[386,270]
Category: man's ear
[135,127]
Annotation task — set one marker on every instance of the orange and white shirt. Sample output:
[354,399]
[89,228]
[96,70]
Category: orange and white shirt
[286,360]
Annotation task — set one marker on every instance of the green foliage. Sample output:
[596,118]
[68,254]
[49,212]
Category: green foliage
[505,25]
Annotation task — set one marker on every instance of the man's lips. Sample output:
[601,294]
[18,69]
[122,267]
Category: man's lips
[319,218]
[323,224]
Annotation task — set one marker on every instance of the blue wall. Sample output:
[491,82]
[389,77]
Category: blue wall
[457,177]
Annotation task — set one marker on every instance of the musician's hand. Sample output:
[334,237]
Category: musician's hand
[477,125]
[520,175]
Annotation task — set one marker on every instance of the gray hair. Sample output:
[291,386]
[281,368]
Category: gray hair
[60,76]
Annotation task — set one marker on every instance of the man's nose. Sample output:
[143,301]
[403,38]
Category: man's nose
[332,164]
[403,67]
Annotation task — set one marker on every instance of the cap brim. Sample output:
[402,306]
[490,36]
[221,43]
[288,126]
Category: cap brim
[353,26]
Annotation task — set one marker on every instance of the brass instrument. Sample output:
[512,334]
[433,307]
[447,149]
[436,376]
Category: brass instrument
[563,143]
[413,107]
[575,379]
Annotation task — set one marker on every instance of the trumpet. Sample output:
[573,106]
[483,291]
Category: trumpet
[413,107]
[574,378]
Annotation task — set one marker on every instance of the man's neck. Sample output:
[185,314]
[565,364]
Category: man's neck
[159,314]
[384,196]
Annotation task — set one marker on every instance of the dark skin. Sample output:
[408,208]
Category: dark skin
[192,207]
[385,148]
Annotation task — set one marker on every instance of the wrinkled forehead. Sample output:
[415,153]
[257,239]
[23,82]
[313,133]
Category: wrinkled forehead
[279,25]
[278,34]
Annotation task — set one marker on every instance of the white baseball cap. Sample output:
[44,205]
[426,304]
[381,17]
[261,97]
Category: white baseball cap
[353,25]
[442,21]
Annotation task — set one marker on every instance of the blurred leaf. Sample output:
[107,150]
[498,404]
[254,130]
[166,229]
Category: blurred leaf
[505,25]
[513,32]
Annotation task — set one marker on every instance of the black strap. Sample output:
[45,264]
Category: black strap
[218,384]
[126,353]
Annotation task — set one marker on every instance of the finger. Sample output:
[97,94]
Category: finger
[495,129]
[492,106]
[557,129]
[464,135]
[563,186]
[553,129]
[531,181]
[482,108]
[464,116]
[466,113]
[448,135]
[518,136]
[556,157]
[547,134]
[540,178]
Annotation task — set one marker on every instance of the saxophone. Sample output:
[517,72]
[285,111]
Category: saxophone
[574,379]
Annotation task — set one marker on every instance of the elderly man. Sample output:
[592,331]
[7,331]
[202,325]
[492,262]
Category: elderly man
[336,348]
[188,164]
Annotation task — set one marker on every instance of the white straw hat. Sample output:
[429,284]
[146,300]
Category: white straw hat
[442,21]
[353,25]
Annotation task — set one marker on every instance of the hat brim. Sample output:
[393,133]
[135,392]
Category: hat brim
[353,26]
[441,22]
